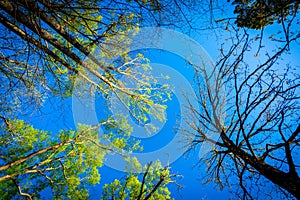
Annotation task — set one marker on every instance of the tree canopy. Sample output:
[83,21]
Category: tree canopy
[33,160]
[151,185]
[56,37]
[248,107]
[47,50]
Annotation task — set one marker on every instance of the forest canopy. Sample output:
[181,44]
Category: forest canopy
[247,106]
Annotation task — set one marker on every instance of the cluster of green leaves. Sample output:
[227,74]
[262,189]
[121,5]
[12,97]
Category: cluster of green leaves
[33,160]
[126,77]
[149,185]
[260,13]
[92,30]
[118,134]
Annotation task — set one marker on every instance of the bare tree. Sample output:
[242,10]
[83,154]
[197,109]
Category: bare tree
[249,115]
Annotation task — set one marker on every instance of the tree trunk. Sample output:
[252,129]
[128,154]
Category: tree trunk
[287,181]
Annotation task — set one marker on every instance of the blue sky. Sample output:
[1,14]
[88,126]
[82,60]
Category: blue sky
[57,114]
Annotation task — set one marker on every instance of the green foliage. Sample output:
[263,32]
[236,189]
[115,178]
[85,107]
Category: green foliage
[33,161]
[152,184]
[74,30]
[117,133]
[131,82]
[260,13]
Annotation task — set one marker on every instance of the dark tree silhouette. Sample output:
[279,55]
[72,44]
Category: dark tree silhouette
[249,115]
[260,13]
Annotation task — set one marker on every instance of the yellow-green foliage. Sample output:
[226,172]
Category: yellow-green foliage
[66,162]
[130,187]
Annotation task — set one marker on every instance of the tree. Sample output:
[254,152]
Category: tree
[258,14]
[32,160]
[56,38]
[249,116]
